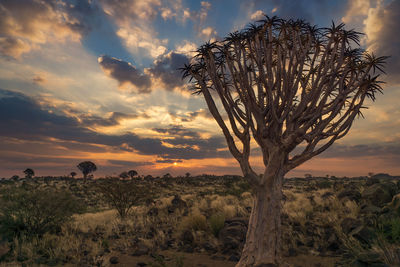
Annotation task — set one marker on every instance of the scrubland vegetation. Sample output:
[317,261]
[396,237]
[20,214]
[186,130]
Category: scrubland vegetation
[194,221]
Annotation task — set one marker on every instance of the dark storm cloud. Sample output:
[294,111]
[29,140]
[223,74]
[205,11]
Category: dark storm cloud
[167,69]
[167,161]
[176,130]
[23,118]
[386,41]
[349,151]
[389,151]
[124,72]
[112,120]
[127,163]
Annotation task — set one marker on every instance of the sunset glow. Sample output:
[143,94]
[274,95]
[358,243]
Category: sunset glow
[99,80]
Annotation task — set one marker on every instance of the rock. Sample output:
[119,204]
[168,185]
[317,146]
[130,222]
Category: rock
[209,247]
[141,249]
[114,260]
[350,194]
[372,181]
[177,203]
[364,234]
[377,194]
[233,235]
[370,209]
[187,237]
[234,257]
[349,224]
[153,211]
[371,259]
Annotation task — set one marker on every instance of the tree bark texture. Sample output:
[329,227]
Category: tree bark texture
[263,239]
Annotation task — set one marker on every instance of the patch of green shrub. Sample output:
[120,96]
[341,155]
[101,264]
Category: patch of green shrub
[216,222]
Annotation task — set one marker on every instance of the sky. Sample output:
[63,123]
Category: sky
[97,80]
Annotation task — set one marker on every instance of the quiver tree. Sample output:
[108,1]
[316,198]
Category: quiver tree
[29,173]
[86,167]
[287,84]
[132,173]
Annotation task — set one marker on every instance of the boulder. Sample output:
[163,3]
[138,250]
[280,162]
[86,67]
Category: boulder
[177,203]
[233,235]
[349,224]
[377,194]
[114,260]
[140,249]
[187,237]
[364,234]
[350,194]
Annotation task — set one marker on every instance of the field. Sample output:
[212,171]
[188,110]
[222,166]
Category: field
[197,221]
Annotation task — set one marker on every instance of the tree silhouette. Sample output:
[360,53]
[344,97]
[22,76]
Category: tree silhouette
[86,167]
[132,173]
[29,173]
[73,174]
[124,175]
[287,84]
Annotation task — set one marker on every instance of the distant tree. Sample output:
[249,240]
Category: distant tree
[73,174]
[167,175]
[124,175]
[286,84]
[86,167]
[187,175]
[308,175]
[132,173]
[122,195]
[29,173]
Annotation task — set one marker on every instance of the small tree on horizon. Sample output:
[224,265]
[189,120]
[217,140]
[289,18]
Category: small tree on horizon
[124,175]
[132,173]
[286,84]
[86,167]
[73,174]
[29,173]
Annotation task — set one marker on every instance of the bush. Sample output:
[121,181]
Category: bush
[216,222]
[122,195]
[28,212]
[194,222]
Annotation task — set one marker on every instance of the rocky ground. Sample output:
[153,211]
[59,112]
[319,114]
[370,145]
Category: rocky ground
[202,221]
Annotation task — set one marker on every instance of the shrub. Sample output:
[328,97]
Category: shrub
[122,195]
[194,222]
[216,222]
[28,212]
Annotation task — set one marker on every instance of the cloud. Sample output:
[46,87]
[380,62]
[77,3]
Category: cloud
[381,27]
[133,19]
[186,48]
[38,79]
[27,24]
[259,14]
[23,118]
[164,73]
[125,74]
[129,164]
[166,69]
[13,47]
[208,33]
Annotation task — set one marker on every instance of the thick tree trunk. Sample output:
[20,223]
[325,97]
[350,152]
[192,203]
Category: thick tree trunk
[263,239]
